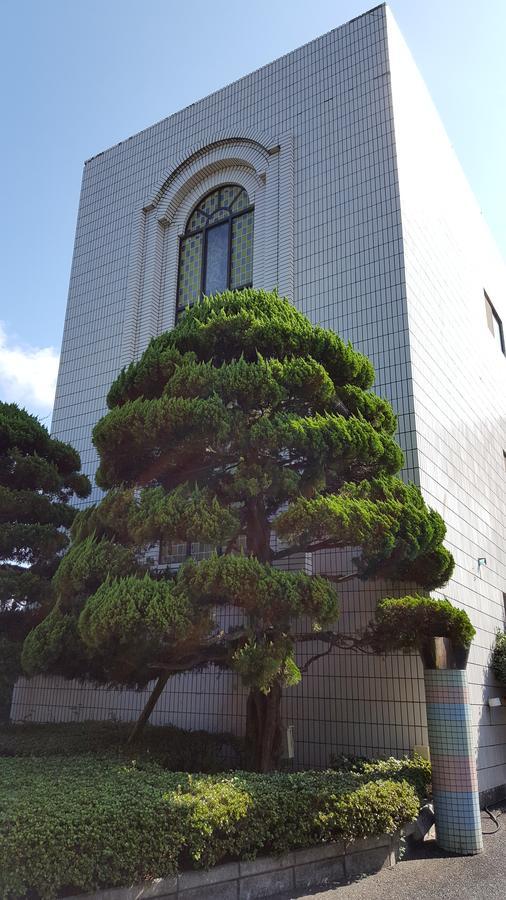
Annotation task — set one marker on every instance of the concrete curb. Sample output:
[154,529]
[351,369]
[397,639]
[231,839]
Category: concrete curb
[314,867]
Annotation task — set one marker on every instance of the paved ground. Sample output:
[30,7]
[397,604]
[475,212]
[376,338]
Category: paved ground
[429,874]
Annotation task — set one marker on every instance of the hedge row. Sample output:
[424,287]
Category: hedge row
[415,770]
[83,823]
[171,747]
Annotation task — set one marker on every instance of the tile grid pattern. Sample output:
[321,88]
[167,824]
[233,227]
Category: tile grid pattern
[454,780]
[458,379]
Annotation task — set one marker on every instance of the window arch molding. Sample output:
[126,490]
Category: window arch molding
[240,174]
[254,186]
[264,168]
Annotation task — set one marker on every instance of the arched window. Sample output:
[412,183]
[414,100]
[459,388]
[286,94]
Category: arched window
[216,250]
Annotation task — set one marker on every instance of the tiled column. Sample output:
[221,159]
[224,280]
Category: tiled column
[454,780]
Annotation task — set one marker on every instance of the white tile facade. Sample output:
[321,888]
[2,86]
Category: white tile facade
[364,219]
[458,378]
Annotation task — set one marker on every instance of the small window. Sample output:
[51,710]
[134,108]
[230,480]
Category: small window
[494,323]
[174,553]
[216,250]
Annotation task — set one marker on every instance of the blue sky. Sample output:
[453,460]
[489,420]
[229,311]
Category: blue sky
[80,75]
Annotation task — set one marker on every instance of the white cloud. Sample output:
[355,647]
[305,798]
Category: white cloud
[27,374]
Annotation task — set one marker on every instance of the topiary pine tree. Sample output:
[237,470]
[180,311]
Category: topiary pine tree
[256,432]
[38,478]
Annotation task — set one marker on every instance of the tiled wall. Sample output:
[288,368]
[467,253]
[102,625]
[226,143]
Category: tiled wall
[459,378]
[333,98]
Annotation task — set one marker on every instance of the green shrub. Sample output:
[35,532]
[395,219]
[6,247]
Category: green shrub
[499,659]
[415,770]
[405,623]
[82,823]
[171,747]
[10,669]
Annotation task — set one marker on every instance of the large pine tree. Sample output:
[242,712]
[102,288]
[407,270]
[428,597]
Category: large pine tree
[39,476]
[253,431]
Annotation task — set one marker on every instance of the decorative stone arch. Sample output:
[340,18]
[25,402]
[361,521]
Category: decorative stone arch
[256,162]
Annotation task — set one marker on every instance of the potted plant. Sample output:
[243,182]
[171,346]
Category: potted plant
[498,663]
[442,634]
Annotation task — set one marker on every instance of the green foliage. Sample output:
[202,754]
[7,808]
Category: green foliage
[401,538]
[31,460]
[499,658]
[369,406]
[187,513]
[123,608]
[161,434]
[23,592]
[87,564]
[107,519]
[260,665]
[54,645]
[405,623]
[130,621]
[266,593]
[30,544]
[28,507]
[83,824]
[238,324]
[38,477]
[182,515]
[10,668]
[326,438]
[172,748]
[414,769]
[244,424]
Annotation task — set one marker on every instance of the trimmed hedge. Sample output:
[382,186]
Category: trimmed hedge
[82,823]
[415,770]
[404,623]
[171,747]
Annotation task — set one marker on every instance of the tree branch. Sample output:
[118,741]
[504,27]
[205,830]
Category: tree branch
[215,649]
[313,659]
[334,639]
[305,548]
[340,579]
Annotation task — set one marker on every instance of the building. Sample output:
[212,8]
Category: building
[347,196]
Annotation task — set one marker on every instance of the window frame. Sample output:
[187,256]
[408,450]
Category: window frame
[203,230]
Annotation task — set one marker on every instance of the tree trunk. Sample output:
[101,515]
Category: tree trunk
[148,709]
[264,735]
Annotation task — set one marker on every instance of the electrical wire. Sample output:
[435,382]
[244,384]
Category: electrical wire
[494,819]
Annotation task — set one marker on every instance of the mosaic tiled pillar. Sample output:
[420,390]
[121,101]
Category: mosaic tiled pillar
[454,780]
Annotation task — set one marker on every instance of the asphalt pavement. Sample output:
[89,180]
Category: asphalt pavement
[427,873]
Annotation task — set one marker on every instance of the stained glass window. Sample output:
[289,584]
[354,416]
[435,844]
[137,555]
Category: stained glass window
[216,250]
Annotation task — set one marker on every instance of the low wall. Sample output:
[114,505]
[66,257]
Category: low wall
[298,870]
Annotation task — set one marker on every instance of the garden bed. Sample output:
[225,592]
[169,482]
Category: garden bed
[70,824]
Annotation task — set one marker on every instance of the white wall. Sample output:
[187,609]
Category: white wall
[459,377]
